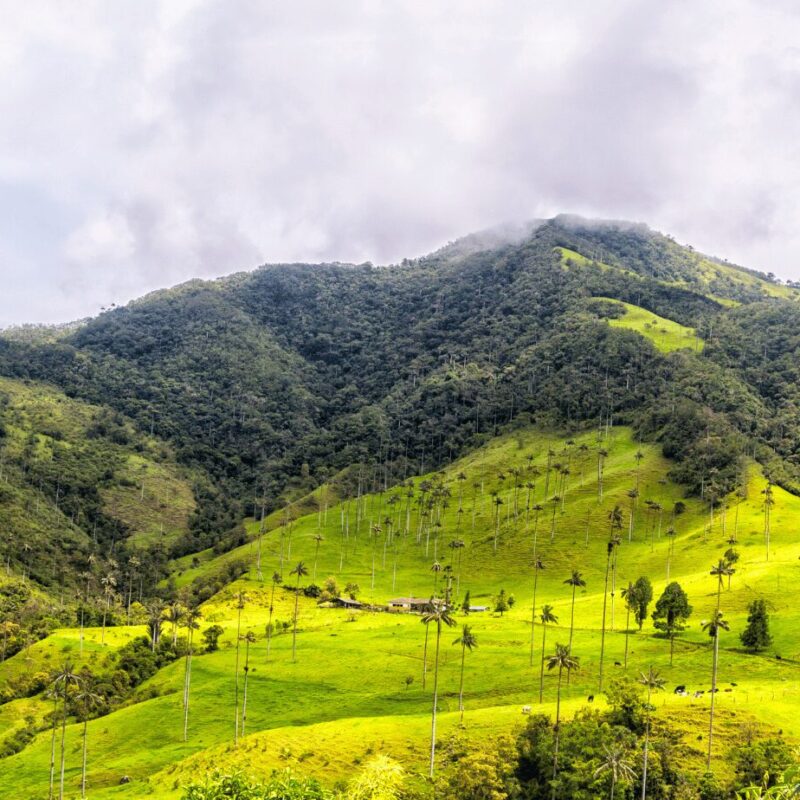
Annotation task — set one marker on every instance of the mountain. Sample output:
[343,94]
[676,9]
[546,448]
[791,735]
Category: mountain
[267,383]
[284,452]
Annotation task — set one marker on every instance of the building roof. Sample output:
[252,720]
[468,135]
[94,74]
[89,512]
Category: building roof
[409,601]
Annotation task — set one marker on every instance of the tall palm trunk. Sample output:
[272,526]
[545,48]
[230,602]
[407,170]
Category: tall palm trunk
[461,683]
[603,629]
[83,762]
[627,633]
[425,658]
[236,682]
[294,627]
[533,609]
[186,685]
[713,678]
[435,695]
[541,673]
[646,745]
[246,675]
[63,746]
[557,731]
[269,621]
[53,750]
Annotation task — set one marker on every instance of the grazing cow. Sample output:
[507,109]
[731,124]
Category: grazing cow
[617,664]
[680,689]
[590,698]
[729,690]
[699,693]
[734,684]
[526,709]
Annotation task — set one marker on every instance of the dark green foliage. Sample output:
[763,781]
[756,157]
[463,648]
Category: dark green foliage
[756,635]
[267,383]
[211,637]
[672,610]
[282,786]
[639,599]
[761,762]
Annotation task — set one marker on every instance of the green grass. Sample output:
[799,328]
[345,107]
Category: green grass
[665,334]
[346,695]
[38,418]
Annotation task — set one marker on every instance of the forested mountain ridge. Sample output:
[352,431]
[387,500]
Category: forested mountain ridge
[282,376]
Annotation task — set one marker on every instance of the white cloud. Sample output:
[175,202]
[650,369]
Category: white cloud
[168,140]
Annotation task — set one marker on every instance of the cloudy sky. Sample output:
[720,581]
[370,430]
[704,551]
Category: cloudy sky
[143,143]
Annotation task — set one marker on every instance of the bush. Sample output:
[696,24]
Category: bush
[281,786]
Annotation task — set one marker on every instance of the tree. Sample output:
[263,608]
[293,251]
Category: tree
[88,701]
[241,598]
[174,615]
[632,494]
[300,571]
[547,617]
[713,627]
[756,636]
[211,637]
[642,597]
[192,616]
[769,501]
[440,615]
[615,519]
[671,612]
[731,555]
[276,579]
[249,638]
[617,764]
[465,605]
[109,582]
[653,682]
[62,682]
[468,641]
[501,603]
[629,596]
[575,580]
[563,660]
[537,566]
[318,540]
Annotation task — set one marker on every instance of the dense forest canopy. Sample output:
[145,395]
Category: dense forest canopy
[268,383]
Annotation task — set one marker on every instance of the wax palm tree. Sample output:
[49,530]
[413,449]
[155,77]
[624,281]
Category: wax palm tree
[241,599]
[430,605]
[639,456]
[563,660]
[769,501]
[653,681]
[457,545]
[498,501]
[192,616]
[249,638]
[547,617]
[617,764]
[628,595]
[602,455]
[89,701]
[318,540]
[436,568]
[468,641]
[713,627]
[440,615]
[300,571]
[62,682]
[537,565]
[276,579]
[155,618]
[174,615]
[109,582]
[632,494]
[615,518]
[575,580]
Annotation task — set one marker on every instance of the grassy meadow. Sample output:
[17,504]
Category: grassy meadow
[348,694]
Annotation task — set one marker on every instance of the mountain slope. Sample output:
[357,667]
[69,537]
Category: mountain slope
[293,372]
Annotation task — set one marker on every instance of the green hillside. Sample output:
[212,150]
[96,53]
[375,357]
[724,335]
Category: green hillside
[346,695]
[418,430]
